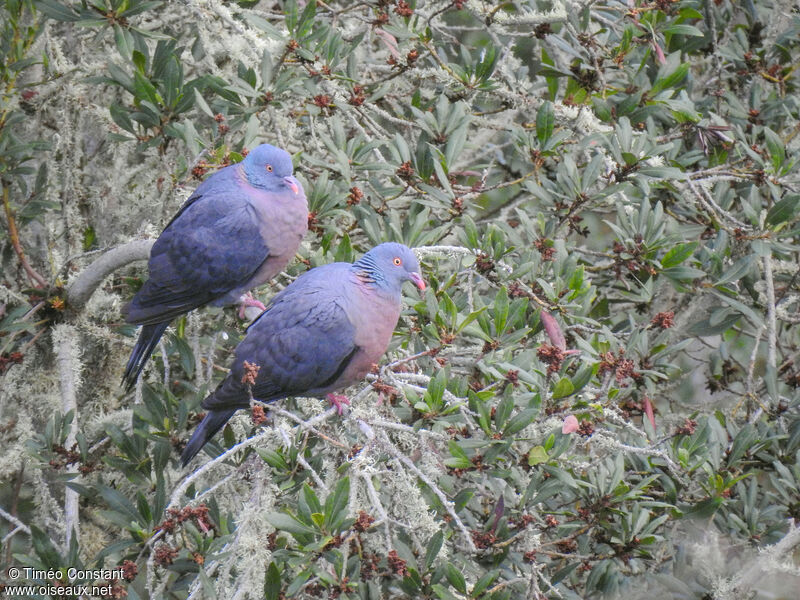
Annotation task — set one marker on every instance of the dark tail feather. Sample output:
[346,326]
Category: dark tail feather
[148,339]
[211,424]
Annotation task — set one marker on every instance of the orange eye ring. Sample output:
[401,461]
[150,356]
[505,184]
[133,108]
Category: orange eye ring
[269,168]
[397,261]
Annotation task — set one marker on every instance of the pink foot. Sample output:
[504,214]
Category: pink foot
[337,401]
[248,300]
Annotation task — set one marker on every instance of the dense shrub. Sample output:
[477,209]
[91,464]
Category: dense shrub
[597,394]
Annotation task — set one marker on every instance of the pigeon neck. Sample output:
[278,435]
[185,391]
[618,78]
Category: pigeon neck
[369,279]
[369,275]
[241,173]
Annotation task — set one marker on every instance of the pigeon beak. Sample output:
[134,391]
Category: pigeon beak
[417,279]
[292,183]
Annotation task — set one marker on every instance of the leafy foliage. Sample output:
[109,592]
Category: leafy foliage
[604,197]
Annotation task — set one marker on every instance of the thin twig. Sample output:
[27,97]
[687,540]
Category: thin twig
[386,444]
[13,235]
[303,462]
[11,518]
[181,488]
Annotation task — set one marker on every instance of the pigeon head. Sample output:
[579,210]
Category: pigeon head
[270,168]
[388,266]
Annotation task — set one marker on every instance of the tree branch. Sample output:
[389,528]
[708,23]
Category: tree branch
[13,235]
[84,285]
[64,341]
[15,521]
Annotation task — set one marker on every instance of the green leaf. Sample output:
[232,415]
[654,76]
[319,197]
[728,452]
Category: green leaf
[124,41]
[460,459]
[309,498]
[690,13]
[552,76]
[173,81]
[484,582]
[272,582]
[442,592]
[683,273]
[471,232]
[139,61]
[119,503]
[671,80]
[582,376]
[434,545]
[297,583]
[57,10]
[306,19]
[537,455]
[500,310]
[744,440]
[456,578]
[503,411]
[201,103]
[775,147]
[738,270]
[783,211]
[520,421]
[563,388]
[344,251]
[337,501]
[120,116]
[705,328]
[684,29]
[678,254]
[602,109]
[45,549]
[456,450]
[576,279]
[705,508]
[756,318]
[545,119]
[286,522]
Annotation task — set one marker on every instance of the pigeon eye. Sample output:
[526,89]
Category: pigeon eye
[397,261]
[269,168]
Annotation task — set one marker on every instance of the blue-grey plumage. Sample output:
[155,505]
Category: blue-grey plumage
[237,230]
[320,334]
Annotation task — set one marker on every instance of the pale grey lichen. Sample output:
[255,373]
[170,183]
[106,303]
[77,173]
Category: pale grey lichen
[246,572]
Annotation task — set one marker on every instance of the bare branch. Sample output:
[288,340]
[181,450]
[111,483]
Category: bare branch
[13,235]
[84,285]
[14,520]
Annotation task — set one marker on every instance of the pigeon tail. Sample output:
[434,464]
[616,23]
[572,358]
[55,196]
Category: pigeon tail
[211,424]
[148,338]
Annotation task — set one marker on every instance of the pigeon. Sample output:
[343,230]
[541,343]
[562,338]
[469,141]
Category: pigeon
[238,229]
[322,333]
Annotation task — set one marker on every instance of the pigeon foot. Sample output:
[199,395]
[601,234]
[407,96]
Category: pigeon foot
[248,300]
[338,401]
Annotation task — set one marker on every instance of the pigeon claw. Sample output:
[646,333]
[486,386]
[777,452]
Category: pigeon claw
[338,400]
[248,300]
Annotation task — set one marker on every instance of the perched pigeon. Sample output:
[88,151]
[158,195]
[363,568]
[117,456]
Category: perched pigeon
[241,226]
[320,334]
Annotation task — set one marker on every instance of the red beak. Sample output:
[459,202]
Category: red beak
[292,183]
[418,280]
